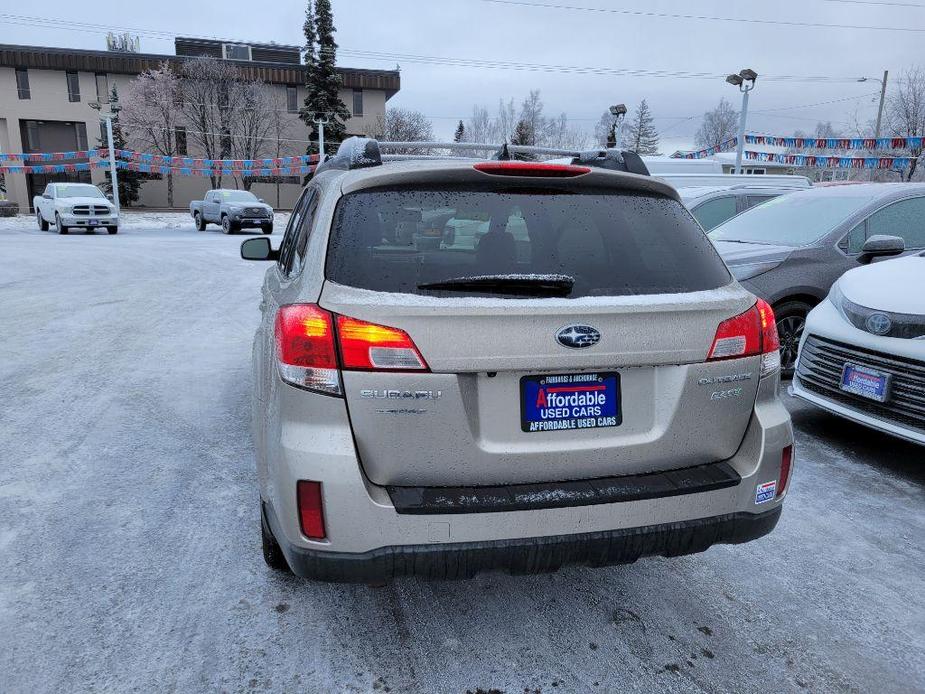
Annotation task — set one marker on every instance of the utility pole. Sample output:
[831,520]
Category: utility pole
[114,108]
[745,81]
[886,75]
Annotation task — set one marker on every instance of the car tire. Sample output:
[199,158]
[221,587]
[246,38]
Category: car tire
[791,320]
[272,554]
[43,225]
[228,227]
[200,222]
[267,228]
[60,227]
[112,230]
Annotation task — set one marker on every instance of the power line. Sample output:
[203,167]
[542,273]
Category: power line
[389,56]
[875,3]
[571,69]
[703,17]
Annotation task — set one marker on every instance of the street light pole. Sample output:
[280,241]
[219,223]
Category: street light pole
[618,111]
[114,108]
[112,164]
[320,121]
[745,81]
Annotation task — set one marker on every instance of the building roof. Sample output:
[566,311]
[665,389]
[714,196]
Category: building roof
[285,72]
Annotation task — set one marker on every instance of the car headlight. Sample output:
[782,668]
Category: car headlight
[750,270]
[838,300]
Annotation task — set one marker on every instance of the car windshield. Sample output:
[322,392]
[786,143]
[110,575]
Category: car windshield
[441,242]
[238,196]
[78,190]
[791,220]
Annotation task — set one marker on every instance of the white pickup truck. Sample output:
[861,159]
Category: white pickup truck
[74,205]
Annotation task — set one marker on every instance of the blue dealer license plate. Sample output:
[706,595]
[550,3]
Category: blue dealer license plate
[867,383]
[570,401]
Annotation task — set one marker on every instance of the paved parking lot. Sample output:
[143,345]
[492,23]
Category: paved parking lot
[131,553]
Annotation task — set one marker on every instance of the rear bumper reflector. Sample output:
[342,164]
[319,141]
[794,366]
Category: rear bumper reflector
[531,497]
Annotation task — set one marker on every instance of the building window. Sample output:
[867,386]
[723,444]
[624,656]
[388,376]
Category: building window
[358,102]
[32,136]
[292,99]
[73,86]
[81,132]
[237,51]
[102,88]
[22,83]
[180,141]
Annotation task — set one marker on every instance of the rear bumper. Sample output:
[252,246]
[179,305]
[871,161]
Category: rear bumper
[528,555]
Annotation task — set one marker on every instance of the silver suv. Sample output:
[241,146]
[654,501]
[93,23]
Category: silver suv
[474,365]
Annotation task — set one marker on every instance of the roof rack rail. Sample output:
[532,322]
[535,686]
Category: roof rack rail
[363,152]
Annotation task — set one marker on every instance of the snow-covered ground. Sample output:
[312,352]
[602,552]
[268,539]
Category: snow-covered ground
[133,219]
[130,551]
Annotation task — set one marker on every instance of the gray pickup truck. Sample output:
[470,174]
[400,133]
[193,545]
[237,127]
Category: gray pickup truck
[233,210]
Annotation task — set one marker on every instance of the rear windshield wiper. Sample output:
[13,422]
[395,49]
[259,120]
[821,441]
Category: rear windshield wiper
[519,284]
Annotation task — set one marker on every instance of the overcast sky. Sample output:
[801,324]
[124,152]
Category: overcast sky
[496,30]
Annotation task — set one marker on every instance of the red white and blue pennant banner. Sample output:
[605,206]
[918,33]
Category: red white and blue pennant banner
[820,161]
[53,168]
[709,151]
[193,163]
[843,143]
[144,167]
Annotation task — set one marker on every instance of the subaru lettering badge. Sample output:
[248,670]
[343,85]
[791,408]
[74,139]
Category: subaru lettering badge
[879,323]
[578,336]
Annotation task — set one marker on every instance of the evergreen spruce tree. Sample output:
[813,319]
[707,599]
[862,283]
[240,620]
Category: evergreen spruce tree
[641,136]
[523,135]
[129,181]
[460,132]
[323,82]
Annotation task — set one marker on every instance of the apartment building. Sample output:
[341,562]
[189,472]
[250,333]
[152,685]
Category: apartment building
[45,96]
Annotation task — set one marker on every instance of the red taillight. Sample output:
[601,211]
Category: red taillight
[529,168]
[308,339]
[311,509]
[367,346]
[305,348]
[748,334]
[786,461]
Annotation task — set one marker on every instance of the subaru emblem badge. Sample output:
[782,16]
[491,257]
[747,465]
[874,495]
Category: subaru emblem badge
[879,323]
[578,336]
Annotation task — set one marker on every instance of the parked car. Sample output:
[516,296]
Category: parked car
[599,390]
[862,355]
[713,205]
[233,210]
[74,205]
[791,249]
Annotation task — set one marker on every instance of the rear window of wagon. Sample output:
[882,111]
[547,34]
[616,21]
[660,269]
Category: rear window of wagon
[613,243]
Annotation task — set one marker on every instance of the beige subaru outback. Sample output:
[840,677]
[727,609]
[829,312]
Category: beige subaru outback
[473,365]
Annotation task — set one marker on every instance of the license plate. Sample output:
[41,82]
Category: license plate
[570,401]
[865,382]
[94,222]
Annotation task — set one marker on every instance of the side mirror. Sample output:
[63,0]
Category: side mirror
[47,196]
[261,200]
[881,246]
[258,249]
[109,197]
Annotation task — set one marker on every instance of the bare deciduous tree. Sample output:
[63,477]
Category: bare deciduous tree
[211,99]
[252,131]
[403,125]
[150,115]
[718,125]
[905,113]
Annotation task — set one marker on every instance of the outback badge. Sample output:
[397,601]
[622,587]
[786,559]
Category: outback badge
[578,336]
